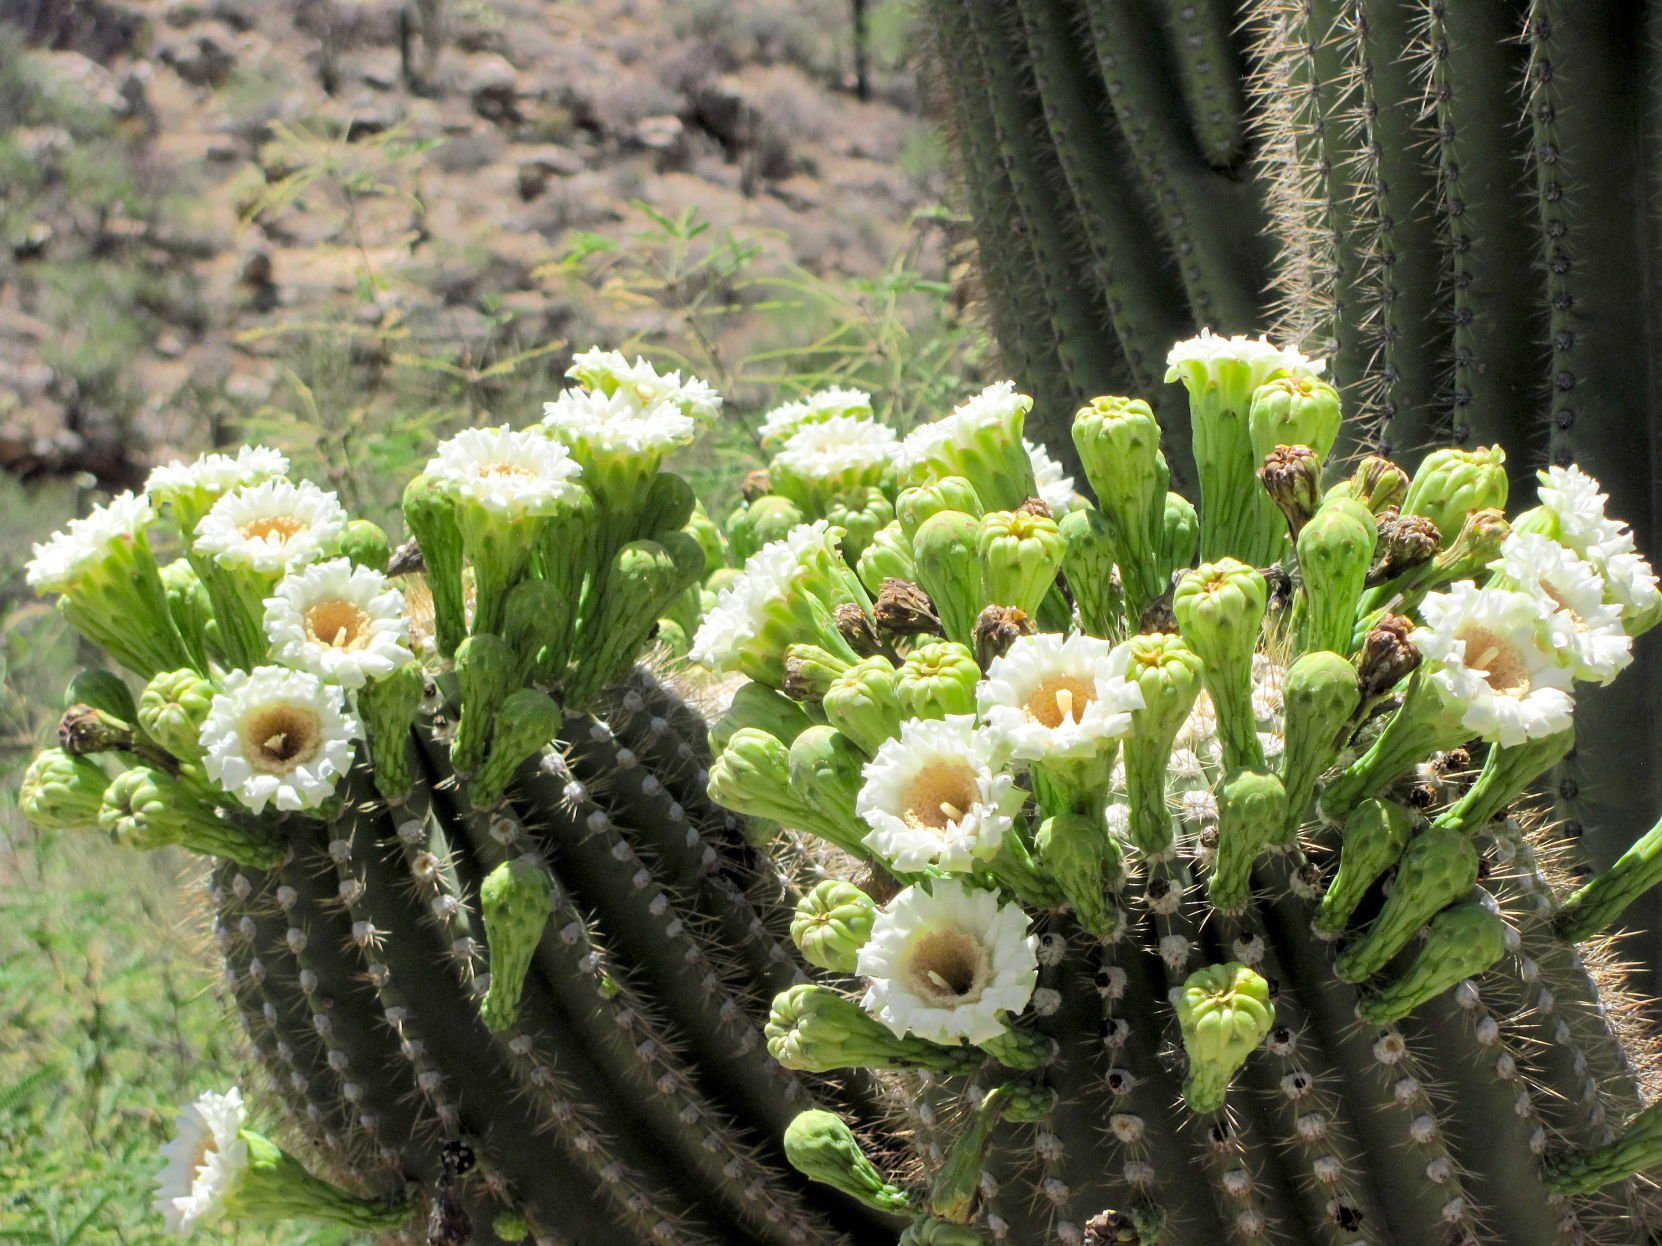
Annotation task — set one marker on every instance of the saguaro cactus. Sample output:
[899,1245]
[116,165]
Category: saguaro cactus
[1206,918]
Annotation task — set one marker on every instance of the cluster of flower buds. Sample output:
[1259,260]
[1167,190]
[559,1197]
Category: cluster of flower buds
[1032,717]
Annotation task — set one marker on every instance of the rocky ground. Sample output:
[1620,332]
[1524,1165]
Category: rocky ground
[201,190]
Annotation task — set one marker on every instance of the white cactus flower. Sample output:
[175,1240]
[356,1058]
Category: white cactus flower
[1260,355]
[1048,698]
[615,424]
[205,1161]
[610,372]
[840,453]
[212,475]
[271,527]
[1599,648]
[67,555]
[1056,489]
[785,420]
[509,474]
[278,737]
[341,622]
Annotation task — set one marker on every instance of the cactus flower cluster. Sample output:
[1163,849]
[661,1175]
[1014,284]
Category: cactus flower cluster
[1169,835]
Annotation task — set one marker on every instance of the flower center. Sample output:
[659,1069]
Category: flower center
[338,624]
[275,529]
[939,794]
[1485,651]
[1059,698]
[487,470]
[277,738]
[205,1146]
[1557,599]
[948,968]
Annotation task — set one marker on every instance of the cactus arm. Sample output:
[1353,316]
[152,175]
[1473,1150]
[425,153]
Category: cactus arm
[1601,901]
[1200,39]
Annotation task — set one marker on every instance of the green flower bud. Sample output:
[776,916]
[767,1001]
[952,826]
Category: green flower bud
[1118,440]
[669,636]
[61,792]
[765,520]
[515,901]
[937,679]
[703,530]
[1020,553]
[1639,1147]
[642,578]
[862,704]
[510,1226]
[172,709]
[809,670]
[823,1149]
[887,557]
[1451,483]
[1319,695]
[1423,724]
[917,504]
[1179,538]
[720,578]
[569,551]
[1507,773]
[1438,868]
[537,626]
[1335,551]
[1293,411]
[827,772]
[949,570]
[832,923]
[430,515]
[861,516]
[956,1189]
[526,723]
[1463,942]
[487,670]
[1170,675]
[669,505]
[1224,1012]
[1090,547]
[1378,484]
[146,808]
[388,707]
[758,706]
[103,690]
[1252,815]
[928,1231]
[1076,851]
[191,608]
[815,1030]
[1219,607]
[752,776]
[366,545]
[1375,835]
[1018,1048]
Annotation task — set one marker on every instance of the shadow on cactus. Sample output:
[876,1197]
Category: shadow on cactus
[1189,903]
[504,966]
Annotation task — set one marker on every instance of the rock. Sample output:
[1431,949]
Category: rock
[85,80]
[665,137]
[201,59]
[539,164]
[492,86]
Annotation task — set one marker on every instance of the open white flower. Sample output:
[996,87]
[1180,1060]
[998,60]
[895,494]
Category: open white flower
[1575,502]
[507,473]
[741,608]
[616,424]
[211,475]
[205,1161]
[272,526]
[1496,655]
[1599,648]
[945,966]
[1263,359]
[934,796]
[342,622]
[841,453]
[998,409]
[781,423]
[609,372]
[1055,487]
[84,543]
[278,737]
[1049,698]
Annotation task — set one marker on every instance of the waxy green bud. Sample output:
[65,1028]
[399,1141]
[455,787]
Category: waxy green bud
[1638,1148]
[1603,899]
[1319,697]
[1252,815]
[763,521]
[1179,537]
[1335,551]
[526,723]
[669,505]
[758,706]
[751,775]
[936,680]
[146,808]
[832,923]
[929,1231]
[1293,411]
[1219,608]
[703,529]
[1224,1012]
[273,1187]
[1118,440]
[1076,851]
[1021,552]
[641,580]
[1375,835]
[1507,773]
[366,545]
[515,901]
[1463,942]
[1170,675]
[826,773]
[1422,725]
[191,609]
[487,670]
[949,570]
[888,557]
[822,1148]
[510,1226]
[1452,483]
[956,1188]
[1020,1048]
[1438,868]
[861,516]
[1291,475]
[919,503]
[62,793]
[809,670]
[537,626]
[389,707]
[172,709]
[1378,484]
[815,1030]
[1089,555]
[862,704]
[430,515]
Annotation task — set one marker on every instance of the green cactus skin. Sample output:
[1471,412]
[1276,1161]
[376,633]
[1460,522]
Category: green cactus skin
[1320,695]
[514,905]
[1438,867]
[821,1147]
[1463,942]
[1252,814]
[1376,835]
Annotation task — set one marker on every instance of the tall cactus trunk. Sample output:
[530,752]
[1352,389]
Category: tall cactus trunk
[1461,201]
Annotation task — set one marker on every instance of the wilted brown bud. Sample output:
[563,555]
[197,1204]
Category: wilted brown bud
[756,484]
[1159,616]
[1386,658]
[809,671]
[1291,475]
[407,558]
[1035,506]
[855,626]
[1476,547]
[996,629]
[904,609]
[1405,542]
[1379,484]
[84,730]
[1113,1228]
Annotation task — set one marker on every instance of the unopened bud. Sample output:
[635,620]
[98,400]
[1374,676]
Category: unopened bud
[1379,484]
